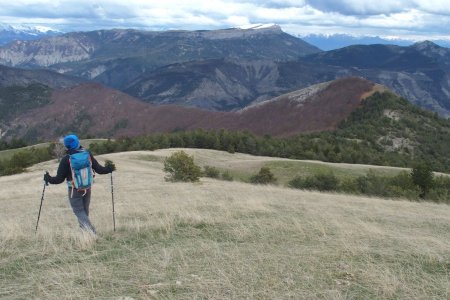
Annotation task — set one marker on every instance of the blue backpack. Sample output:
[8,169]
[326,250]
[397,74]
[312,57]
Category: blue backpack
[81,168]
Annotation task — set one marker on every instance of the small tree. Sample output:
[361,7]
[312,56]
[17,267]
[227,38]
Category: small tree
[264,176]
[321,182]
[57,150]
[227,176]
[422,176]
[181,167]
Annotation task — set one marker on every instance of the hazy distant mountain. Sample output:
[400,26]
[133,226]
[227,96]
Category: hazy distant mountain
[420,73]
[9,33]
[335,41]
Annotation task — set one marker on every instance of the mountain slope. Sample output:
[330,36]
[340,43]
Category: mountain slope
[97,110]
[23,90]
[226,84]
[22,77]
[420,73]
[220,84]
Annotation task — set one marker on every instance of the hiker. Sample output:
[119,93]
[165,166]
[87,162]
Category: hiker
[80,186]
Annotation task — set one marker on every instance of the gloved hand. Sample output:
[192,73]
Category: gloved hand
[109,164]
[46,178]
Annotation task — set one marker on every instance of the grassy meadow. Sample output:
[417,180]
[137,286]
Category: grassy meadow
[218,239]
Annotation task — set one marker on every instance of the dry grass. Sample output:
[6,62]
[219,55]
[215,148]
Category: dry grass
[217,240]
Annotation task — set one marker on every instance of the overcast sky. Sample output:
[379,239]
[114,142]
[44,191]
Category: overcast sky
[408,19]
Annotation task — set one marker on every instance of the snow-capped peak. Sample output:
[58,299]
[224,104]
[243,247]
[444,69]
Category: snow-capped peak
[258,26]
[27,28]
[17,32]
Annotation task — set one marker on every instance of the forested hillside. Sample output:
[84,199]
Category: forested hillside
[385,130]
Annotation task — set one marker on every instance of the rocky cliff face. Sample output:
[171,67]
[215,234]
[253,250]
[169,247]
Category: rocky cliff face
[47,52]
[212,84]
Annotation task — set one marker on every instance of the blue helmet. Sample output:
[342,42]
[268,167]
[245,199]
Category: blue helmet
[71,142]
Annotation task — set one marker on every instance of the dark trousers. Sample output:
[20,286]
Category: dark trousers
[80,206]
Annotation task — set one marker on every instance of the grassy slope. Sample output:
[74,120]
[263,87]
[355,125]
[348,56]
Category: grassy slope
[242,166]
[217,239]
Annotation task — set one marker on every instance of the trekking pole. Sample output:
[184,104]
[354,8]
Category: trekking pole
[112,199]
[40,207]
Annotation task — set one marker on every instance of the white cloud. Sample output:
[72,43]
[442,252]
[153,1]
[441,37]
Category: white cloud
[393,17]
[434,6]
[238,21]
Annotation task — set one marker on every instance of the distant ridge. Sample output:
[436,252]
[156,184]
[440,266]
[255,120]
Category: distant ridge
[78,53]
[336,41]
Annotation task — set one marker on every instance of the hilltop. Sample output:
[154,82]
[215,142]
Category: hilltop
[217,240]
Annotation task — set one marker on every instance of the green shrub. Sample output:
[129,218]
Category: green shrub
[211,172]
[227,176]
[422,176]
[264,176]
[403,186]
[348,185]
[297,183]
[321,182]
[17,163]
[371,184]
[440,191]
[181,167]
[327,182]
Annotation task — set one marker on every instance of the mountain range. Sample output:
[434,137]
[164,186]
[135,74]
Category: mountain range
[129,82]
[328,42]
[229,69]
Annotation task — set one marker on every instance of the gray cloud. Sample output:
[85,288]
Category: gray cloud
[405,18]
[361,8]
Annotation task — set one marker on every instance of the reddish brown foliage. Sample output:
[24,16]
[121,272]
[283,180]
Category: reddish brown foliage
[106,108]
